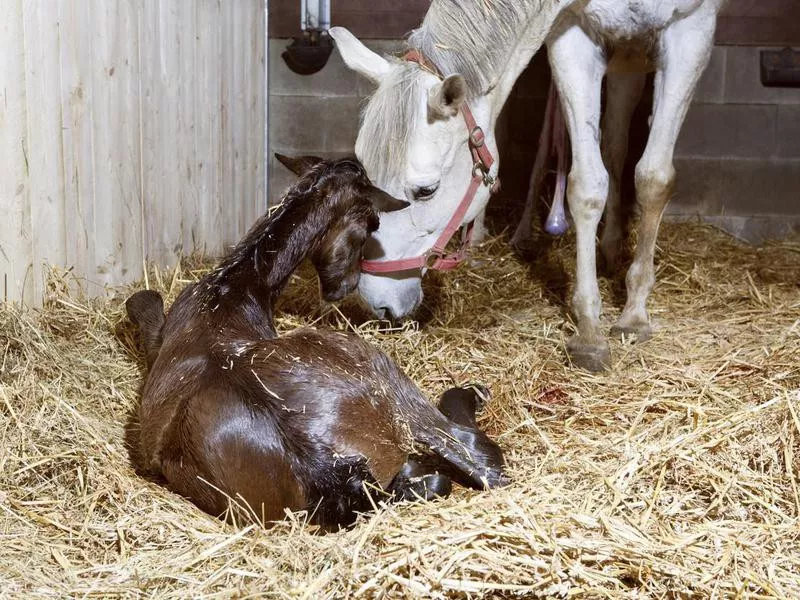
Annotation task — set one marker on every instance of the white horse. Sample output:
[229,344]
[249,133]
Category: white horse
[413,145]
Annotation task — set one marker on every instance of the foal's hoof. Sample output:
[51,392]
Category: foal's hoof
[592,354]
[482,395]
[145,307]
[639,328]
[426,488]
[495,477]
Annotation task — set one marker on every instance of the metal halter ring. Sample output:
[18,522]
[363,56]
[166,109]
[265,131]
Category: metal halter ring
[431,256]
[480,169]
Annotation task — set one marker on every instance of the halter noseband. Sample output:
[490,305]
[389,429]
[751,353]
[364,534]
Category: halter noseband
[436,258]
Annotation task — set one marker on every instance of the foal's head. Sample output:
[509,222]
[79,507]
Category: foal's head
[343,188]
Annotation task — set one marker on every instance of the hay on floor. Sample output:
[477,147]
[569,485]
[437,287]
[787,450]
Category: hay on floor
[675,473]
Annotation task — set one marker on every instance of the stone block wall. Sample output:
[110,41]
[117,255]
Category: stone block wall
[738,155]
[314,114]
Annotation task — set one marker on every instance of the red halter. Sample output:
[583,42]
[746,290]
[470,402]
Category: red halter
[482,160]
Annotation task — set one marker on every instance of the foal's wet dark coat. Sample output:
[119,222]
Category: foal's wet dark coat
[315,420]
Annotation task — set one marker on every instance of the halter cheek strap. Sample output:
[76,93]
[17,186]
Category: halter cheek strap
[482,161]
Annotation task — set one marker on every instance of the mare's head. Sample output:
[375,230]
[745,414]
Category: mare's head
[413,141]
[353,204]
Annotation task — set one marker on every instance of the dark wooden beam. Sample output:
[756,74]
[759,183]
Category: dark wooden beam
[743,22]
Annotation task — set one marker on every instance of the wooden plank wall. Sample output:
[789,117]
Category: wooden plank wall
[130,131]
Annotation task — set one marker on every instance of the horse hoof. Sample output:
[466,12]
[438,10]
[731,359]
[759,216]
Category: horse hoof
[425,488]
[496,478]
[482,395]
[639,329]
[592,355]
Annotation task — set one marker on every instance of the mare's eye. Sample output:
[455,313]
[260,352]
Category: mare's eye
[425,192]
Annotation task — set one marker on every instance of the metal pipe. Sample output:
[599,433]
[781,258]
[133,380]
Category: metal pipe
[325,15]
[312,14]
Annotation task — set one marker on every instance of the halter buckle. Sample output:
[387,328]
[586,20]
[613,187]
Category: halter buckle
[476,137]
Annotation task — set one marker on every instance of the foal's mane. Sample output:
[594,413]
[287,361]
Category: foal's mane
[470,37]
[281,231]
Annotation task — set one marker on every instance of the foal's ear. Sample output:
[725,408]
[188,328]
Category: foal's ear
[383,202]
[446,98]
[358,57]
[299,165]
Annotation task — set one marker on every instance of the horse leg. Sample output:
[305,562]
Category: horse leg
[623,91]
[247,460]
[684,52]
[479,231]
[523,235]
[460,405]
[425,476]
[578,66]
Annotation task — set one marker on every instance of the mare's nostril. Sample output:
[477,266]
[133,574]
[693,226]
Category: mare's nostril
[384,313]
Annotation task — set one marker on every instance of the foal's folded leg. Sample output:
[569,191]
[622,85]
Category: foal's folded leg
[419,479]
[423,477]
[430,475]
[461,404]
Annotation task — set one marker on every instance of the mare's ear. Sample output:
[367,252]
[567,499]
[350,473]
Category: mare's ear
[446,98]
[299,165]
[383,202]
[358,57]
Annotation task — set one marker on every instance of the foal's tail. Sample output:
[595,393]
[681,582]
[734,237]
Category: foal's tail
[146,310]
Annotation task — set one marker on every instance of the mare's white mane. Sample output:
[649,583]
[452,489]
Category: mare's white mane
[472,38]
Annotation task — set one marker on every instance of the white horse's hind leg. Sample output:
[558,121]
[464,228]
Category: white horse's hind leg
[623,91]
[578,68]
[683,54]
[523,236]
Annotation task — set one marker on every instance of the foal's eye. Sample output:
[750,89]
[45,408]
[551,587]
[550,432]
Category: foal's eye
[425,192]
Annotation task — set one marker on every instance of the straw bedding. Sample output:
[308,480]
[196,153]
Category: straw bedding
[675,474]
